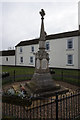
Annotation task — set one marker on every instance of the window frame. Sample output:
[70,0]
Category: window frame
[21,59]
[21,50]
[47,43]
[70,60]
[31,62]
[7,59]
[70,45]
[32,48]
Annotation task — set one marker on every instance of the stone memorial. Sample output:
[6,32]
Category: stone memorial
[42,82]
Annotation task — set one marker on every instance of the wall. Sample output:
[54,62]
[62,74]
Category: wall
[26,55]
[57,53]
[11,60]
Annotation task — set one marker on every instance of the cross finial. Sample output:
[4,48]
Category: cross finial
[42,13]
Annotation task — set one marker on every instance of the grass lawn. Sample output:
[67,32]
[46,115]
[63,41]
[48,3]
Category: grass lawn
[25,73]
[70,76]
[20,74]
[18,70]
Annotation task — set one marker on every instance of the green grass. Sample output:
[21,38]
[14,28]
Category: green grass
[19,70]
[70,76]
[20,74]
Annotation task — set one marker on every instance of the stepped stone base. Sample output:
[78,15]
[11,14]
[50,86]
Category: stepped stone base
[44,85]
[39,92]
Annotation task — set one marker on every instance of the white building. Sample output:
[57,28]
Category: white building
[63,49]
[7,57]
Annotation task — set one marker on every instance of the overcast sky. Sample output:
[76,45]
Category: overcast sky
[22,21]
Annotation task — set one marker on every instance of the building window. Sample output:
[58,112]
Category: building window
[32,48]
[31,59]
[6,58]
[21,50]
[47,46]
[21,59]
[70,44]
[70,59]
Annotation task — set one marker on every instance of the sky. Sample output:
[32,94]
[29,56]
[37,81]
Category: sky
[21,21]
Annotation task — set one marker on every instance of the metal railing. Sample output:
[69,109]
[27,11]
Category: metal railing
[64,107]
[71,76]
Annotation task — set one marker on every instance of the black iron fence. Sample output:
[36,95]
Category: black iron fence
[59,107]
[71,76]
[14,76]
[66,75]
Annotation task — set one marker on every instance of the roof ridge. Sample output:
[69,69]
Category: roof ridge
[49,37]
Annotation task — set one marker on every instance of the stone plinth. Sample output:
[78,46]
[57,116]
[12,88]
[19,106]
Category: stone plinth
[42,83]
[35,89]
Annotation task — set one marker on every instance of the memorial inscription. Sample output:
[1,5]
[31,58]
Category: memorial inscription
[38,64]
[44,64]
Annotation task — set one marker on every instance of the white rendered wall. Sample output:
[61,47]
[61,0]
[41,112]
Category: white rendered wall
[11,60]
[59,52]
[26,55]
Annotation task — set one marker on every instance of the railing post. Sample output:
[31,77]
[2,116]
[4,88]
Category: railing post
[56,106]
[78,78]
[14,75]
[62,75]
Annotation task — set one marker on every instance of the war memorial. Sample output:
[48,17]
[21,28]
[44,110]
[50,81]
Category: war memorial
[42,83]
[40,98]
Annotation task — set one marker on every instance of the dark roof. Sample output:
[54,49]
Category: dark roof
[28,42]
[64,35]
[49,37]
[7,53]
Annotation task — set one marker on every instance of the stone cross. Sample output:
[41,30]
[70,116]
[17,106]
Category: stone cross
[42,13]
